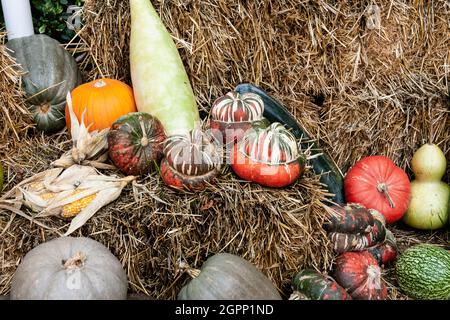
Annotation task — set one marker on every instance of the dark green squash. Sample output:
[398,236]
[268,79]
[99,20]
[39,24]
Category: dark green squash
[323,164]
[50,73]
[226,276]
[311,285]
[135,143]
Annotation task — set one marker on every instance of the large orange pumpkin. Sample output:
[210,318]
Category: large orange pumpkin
[105,100]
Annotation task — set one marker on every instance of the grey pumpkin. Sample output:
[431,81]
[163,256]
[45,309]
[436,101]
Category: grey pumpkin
[226,276]
[50,73]
[69,268]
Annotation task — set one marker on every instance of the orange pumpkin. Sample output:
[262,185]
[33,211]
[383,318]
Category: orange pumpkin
[105,100]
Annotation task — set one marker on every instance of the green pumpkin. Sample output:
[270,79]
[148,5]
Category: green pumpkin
[226,276]
[50,73]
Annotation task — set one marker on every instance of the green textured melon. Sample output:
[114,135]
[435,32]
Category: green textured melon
[423,272]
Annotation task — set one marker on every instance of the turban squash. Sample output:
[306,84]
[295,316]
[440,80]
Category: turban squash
[268,156]
[191,160]
[234,113]
[136,142]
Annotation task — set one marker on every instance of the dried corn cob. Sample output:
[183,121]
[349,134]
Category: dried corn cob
[77,192]
[72,209]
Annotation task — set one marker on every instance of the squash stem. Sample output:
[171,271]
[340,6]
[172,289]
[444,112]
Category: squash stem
[144,140]
[383,188]
[99,84]
[193,273]
[44,108]
[76,262]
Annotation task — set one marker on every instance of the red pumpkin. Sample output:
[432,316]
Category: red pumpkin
[360,274]
[233,114]
[268,156]
[136,143]
[191,161]
[377,183]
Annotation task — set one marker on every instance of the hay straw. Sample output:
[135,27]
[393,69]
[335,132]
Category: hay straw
[357,89]
[348,80]
[278,230]
[14,116]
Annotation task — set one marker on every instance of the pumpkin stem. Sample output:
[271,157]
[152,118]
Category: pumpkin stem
[144,140]
[383,188]
[193,273]
[44,108]
[99,83]
[76,262]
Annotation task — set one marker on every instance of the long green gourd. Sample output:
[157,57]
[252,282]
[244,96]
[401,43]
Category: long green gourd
[160,82]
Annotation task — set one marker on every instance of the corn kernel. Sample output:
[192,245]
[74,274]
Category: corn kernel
[72,209]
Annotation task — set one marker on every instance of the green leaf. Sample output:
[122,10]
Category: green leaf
[50,16]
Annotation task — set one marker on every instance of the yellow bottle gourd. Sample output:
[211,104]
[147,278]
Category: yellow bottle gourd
[160,82]
[429,206]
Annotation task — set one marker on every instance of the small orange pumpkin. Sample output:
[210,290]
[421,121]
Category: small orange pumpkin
[105,100]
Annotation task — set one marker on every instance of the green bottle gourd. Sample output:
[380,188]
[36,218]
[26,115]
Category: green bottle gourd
[160,82]
[430,197]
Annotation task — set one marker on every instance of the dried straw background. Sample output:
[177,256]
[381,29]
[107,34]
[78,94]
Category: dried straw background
[358,90]
[151,229]
[14,116]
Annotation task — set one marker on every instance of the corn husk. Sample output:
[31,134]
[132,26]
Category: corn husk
[49,193]
[89,148]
